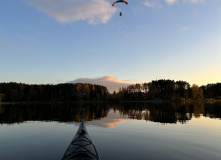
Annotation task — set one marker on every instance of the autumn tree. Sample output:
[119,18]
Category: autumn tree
[197,92]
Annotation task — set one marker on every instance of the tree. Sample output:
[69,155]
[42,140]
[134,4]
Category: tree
[145,87]
[197,92]
[2,96]
[182,89]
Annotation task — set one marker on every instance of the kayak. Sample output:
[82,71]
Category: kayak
[81,147]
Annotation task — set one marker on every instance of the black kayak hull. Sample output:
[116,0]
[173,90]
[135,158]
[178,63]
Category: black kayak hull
[81,147]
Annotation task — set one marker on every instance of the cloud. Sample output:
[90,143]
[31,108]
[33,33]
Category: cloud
[171,2]
[153,3]
[193,1]
[183,29]
[110,82]
[158,3]
[66,11]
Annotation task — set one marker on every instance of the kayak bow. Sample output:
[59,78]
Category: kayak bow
[81,147]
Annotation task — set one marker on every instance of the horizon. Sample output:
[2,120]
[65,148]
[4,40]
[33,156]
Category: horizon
[109,82]
[55,41]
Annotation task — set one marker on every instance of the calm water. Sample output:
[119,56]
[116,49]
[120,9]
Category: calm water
[119,131]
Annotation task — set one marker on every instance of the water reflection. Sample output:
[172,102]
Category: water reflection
[67,112]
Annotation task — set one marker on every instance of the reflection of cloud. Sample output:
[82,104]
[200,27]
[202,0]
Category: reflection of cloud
[114,118]
[109,124]
[95,11]
[110,82]
[110,121]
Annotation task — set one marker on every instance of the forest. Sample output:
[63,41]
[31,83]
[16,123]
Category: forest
[166,90]
[19,92]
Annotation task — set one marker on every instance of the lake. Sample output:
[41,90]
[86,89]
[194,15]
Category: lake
[119,130]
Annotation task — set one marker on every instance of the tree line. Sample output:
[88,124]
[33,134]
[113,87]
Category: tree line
[17,92]
[169,90]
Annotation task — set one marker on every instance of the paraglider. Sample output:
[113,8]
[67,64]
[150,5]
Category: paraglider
[121,2]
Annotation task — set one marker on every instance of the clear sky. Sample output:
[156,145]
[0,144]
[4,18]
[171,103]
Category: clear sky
[57,41]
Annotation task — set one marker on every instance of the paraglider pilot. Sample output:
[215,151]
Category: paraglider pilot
[120,1]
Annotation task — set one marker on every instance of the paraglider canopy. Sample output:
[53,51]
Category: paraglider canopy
[120,1]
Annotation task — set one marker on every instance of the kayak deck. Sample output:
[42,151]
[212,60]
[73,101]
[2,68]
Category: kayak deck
[81,147]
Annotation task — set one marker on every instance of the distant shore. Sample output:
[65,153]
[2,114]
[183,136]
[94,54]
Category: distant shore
[147,101]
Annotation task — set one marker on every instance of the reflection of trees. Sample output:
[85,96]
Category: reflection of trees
[52,112]
[213,110]
[67,112]
[198,109]
[164,113]
[171,113]
[1,110]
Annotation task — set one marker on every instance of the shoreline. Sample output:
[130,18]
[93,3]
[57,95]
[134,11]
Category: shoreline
[147,101]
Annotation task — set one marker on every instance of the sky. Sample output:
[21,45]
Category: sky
[59,41]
